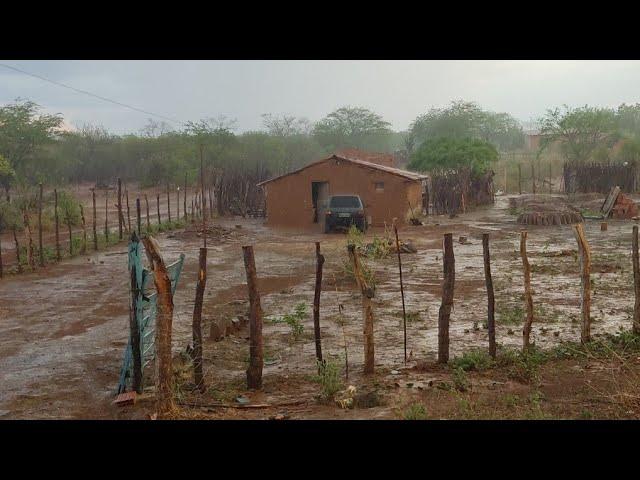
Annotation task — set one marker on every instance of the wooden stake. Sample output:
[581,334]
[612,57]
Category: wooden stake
[40,247]
[636,281]
[95,220]
[585,281]
[488,280]
[316,302]
[197,321]
[448,285]
[404,313]
[120,217]
[164,321]
[106,216]
[168,204]
[134,327]
[55,209]
[84,231]
[367,310]
[520,179]
[184,198]
[146,202]
[126,194]
[158,205]
[138,217]
[254,372]
[528,299]
[27,229]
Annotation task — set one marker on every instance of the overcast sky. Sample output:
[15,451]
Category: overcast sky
[243,90]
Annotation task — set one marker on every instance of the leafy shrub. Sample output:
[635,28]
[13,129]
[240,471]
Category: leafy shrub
[415,411]
[329,379]
[475,359]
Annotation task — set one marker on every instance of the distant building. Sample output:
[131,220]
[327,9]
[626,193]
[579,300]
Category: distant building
[532,139]
[298,198]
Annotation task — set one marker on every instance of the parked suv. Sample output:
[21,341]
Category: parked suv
[343,211]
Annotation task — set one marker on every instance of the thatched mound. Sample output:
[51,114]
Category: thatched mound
[544,210]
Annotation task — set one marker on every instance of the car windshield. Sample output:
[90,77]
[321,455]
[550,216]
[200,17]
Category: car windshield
[345,202]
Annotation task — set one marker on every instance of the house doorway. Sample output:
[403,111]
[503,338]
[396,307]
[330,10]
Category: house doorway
[319,197]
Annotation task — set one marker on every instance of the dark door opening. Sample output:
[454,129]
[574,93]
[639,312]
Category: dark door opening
[319,196]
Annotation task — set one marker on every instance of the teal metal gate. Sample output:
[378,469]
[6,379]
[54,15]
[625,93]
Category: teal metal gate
[145,311]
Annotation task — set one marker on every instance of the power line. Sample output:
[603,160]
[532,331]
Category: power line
[173,120]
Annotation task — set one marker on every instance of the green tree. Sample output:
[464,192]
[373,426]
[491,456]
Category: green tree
[582,133]
[353,127]
[452,153]
[463,119]
[7,175]
[24,130]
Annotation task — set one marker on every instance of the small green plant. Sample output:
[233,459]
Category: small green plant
[475,359]
[294,320]
[523,366]
[415,411]
[460,380]
[329,378]
[510,315]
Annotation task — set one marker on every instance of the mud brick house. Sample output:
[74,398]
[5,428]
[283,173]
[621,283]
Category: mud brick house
[387,159]
[297,199]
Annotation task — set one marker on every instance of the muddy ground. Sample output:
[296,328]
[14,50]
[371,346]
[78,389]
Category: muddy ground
[64,329]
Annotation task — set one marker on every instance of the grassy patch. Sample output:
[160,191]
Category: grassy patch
[415,411]
[475,359]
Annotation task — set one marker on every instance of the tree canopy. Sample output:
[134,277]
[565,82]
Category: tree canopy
[352,127]
[452,153]
[467,120]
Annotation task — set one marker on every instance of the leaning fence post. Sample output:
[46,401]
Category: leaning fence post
[254,372]
[40,248]
[528,299]
[316,302]
[57,220]
[488,280]
[444,313]
[585,281]
[404,313]
[636,281]
[367,309]
[164,321]
[95,220]
[197,321]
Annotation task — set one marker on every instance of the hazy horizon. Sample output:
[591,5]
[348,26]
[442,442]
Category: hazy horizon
[244,90]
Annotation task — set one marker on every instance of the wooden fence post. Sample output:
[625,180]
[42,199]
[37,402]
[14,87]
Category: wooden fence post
[84,231]
[178,204]
[367,310]
[448,285]
[533,178]
[164,321]
[636,281]
[126,193]
[520,179]
[57,220]
[491,304]
[254,372]
[316,302]
[95,220]
[528,299]
[120,217]
[168,204]
[138,217]
[197,321]
[40,247]
[135,311]
[404,312]
[184,198]
[146,202]
[585,281]
[27,228]
[158,205]
[106,216]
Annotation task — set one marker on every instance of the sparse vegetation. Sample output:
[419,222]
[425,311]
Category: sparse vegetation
[329,378]
[415,411]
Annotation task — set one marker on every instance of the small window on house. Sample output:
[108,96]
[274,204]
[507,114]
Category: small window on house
[379,186]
